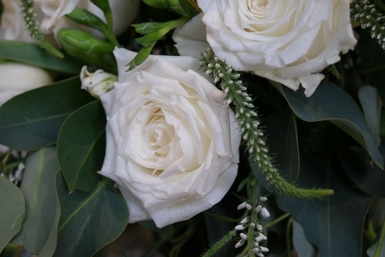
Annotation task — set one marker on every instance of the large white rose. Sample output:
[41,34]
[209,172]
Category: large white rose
[17,78]
[289,41]
[172,141]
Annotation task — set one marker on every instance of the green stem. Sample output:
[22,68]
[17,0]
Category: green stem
[380,241]
[220,244]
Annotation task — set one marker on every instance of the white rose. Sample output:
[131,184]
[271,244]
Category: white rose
[123,13]
[289,41]
[12,24]
[17,78]
[172,142]
[51,16]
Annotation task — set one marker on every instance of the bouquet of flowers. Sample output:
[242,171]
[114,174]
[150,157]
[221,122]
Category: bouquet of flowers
[192,128]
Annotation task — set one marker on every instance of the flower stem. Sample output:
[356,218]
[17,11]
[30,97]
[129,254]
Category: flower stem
[213,251]
[31,23]
[251,130]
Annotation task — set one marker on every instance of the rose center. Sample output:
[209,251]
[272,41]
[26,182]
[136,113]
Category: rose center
[258,8]
[158,137]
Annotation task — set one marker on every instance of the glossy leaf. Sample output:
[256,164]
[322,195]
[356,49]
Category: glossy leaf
[32,120]
[301,245]
[39,228]
[371,106]
[358,166]
[81,146]
[90,220]
[34,55]
[334,224]
[331,103]
[181,7]
[12,206]
[87,18]
[283,143]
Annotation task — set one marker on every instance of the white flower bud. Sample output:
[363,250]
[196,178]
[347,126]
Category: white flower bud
[265,213]
[98,82]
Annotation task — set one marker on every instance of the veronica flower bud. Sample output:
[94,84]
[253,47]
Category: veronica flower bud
[239,227]
[265,212]
[97,83]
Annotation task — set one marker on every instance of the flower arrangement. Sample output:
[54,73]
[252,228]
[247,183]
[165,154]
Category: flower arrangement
[192,128]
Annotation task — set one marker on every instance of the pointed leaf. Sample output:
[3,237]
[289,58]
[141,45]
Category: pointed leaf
[33,119]
[34,55]
[12,206]
[331,103]
[42,206]
[87,18]
[89,220]
[334,225]
[81,146]
[283,143]
[301,245]
[371,105]
[358,166]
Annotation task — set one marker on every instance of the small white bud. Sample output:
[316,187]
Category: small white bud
[98,82]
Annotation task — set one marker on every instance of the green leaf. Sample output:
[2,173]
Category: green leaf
[181,7]
[39,228]
[12,206]
[90,220]
[357,165]
[34,55]
[334,224]
[301,245]
[371,105]
[281,129]
[140,57]
[32,120]
[105,7]
[81,146]
[87,18]
[147,27]
[331,103]
[162,29]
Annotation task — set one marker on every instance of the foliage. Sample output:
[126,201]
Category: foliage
[319,160]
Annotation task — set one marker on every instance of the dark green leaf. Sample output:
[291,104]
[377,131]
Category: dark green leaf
[39,230]
[102,4]
[283,143]
[334,224]
[181,7]
[371,105]
[33,119]
[357,165]
[34,55]
[12,206]
[81,144]
[331,103]
[89,220]
[87,18]
[301,245]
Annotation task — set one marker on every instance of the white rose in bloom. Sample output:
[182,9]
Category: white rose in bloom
[51,16]
[288,41]
[172,141]
[12,25]
[17,78]
[123,13]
